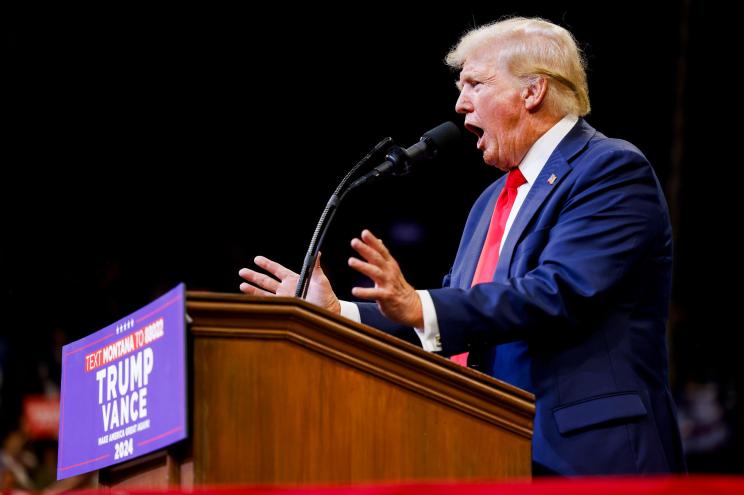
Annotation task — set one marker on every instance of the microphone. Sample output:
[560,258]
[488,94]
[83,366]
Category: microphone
[399,161]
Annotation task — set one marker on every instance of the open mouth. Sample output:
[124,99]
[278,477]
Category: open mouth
[475,130]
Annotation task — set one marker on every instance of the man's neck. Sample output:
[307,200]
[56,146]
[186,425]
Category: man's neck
[534,127]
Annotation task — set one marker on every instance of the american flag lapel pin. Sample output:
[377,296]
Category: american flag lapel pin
[552,179]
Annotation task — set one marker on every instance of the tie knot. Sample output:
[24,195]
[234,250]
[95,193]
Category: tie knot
[515,179]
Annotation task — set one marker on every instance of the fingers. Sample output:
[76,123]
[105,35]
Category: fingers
[380,265]
[254,291]
[376,243]
[367,292]
[263,285]
[368,269]
[367,251]
[259,279]
[273,267]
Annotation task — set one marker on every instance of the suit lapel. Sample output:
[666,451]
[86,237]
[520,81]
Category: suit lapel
[551,175]
[555,170]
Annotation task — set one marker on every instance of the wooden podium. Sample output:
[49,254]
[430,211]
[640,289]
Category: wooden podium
[285,393]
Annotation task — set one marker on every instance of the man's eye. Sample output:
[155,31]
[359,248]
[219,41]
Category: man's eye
[467,84]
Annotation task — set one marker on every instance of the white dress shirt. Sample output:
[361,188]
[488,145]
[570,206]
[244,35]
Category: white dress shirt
[531,166]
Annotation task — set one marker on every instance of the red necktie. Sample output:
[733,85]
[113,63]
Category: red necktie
[489,257]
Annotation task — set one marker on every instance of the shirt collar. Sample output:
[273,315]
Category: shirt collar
[538,155]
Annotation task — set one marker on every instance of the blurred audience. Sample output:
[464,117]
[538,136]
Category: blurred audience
[16,463]
[710,423]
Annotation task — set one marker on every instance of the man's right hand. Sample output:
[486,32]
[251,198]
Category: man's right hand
[319,292]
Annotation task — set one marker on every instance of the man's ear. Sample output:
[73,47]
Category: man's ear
[534,93]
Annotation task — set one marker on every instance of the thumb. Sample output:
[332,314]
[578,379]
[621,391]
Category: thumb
[317,262]
[318,273]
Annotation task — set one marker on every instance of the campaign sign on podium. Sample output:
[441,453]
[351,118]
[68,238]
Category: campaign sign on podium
[124,388]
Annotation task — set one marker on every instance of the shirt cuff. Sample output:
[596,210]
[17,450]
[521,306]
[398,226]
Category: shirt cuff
[429,335]
[351,311]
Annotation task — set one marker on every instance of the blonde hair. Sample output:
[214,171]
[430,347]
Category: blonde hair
[529,48]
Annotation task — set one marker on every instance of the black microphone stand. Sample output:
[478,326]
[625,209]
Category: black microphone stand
[325,218]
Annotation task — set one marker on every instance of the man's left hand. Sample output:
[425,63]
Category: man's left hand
[396,298]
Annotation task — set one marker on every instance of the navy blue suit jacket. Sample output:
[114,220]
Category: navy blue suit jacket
[576,312]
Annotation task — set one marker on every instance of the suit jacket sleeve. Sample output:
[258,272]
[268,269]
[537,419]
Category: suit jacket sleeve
[371,315]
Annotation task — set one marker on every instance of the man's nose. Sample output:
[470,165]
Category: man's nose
[463,104]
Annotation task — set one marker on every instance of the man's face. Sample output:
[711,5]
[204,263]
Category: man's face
[493,108]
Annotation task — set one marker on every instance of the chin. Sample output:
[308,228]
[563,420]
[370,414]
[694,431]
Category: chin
[488,159]
[494,162]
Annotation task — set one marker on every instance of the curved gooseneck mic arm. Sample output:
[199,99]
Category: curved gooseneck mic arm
[325,218]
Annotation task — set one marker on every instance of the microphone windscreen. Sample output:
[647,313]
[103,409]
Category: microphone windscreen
[444,137]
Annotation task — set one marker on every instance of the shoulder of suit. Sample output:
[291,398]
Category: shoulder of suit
[602,153]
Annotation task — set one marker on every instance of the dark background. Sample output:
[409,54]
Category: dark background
[147,146]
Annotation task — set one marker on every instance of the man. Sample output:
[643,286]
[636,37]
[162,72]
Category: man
[561,282]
